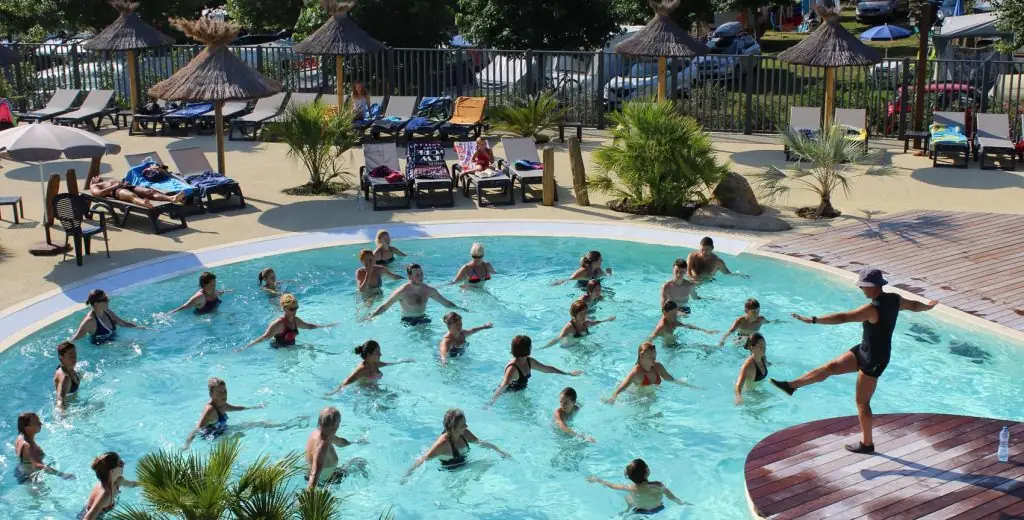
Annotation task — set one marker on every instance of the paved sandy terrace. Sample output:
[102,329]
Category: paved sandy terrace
[264,170]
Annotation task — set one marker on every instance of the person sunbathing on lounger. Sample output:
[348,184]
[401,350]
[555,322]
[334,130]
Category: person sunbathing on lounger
[124,192]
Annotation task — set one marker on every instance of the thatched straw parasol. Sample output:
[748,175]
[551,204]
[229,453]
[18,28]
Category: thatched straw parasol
[8,56]
[662,37]
[215,74]
[128,34]
[339,36]
[830,46]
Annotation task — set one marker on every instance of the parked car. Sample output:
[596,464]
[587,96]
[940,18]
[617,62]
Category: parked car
[882,10]
[641,80]
[60,47]
[726,45]
[948,97]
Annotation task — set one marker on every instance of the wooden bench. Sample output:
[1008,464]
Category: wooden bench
[569,124]
[15,203]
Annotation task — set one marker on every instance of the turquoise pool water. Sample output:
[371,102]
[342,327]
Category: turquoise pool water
[145,391]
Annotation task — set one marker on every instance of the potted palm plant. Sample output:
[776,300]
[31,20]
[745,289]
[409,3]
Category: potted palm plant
[530,117]
[317,136]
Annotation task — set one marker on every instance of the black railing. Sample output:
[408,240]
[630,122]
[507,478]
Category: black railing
[748,94]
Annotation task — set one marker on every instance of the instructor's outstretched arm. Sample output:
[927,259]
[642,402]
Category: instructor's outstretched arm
[916,306]
[866,312]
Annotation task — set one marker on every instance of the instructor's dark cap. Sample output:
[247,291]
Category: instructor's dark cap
[871,278]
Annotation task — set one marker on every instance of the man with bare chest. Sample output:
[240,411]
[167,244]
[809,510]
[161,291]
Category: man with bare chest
[413,296]
[679,289]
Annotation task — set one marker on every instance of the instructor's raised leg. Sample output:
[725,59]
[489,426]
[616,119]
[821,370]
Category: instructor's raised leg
[844,364]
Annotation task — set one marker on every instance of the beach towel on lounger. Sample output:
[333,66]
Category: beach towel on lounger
[168,184]
[208,180]
[193,110]
[426,161]
[943,134]
[854,134]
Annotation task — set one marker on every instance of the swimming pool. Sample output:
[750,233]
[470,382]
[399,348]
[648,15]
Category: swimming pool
[144,392]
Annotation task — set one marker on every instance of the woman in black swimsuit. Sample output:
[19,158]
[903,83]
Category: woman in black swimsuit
[214,420]
[453,444]
[454,342]
[109,469]
[476,271]
[518,371]
[206,299]
[579,325]
[755,368]
[385,252]
[65,379]
[100,324]
[284,329]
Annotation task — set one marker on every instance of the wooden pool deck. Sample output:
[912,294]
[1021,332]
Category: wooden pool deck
[927,466]
[973,262]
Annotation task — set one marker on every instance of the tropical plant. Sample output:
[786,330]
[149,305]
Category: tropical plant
[824,163]
[658,158]
[318,135]
[200,487]
[530,116]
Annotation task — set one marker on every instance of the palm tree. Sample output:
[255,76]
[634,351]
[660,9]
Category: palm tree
[200,487]
[530,117]
[823,164]
[317,135]
[659,159]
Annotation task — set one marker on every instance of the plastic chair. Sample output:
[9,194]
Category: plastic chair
[70,210]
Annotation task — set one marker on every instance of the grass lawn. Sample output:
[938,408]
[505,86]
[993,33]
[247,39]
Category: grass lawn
[775,42]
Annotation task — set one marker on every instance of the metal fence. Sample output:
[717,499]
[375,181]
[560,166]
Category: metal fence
[742,94]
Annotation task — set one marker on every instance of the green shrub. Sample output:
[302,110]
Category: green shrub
[658,158]
[317,135]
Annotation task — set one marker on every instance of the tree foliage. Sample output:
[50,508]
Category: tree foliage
[639,12]
[552,24]
[1011,18]
[406,23]
[17,17]
[263,15]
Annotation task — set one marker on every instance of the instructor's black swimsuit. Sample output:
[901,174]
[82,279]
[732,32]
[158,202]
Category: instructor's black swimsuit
[876,343]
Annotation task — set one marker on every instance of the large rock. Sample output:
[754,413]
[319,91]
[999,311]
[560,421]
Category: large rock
[734,193]
[717,216]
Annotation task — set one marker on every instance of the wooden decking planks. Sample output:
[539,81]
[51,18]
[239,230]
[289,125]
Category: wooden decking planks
[928,466]
[973,262]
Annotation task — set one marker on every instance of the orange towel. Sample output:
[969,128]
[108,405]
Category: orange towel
[469,110]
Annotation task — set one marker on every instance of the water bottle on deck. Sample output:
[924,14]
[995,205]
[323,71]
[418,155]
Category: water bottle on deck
[1004,445]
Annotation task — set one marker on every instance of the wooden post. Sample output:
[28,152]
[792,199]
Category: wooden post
[662,66]
[339,65]
[830,95]
[218,122]
[133,87]
[548,159]
[579,172]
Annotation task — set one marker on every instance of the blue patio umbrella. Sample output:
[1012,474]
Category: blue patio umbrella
[886,33]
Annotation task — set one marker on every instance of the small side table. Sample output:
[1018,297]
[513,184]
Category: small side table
[911,134]
[15,204]
[121,118]
[570,124]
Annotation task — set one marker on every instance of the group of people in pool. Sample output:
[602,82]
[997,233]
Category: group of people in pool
[100,325]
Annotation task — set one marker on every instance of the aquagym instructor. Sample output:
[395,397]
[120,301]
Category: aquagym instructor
[871,356]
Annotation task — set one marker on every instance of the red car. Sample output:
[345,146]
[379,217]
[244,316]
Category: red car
[948,97]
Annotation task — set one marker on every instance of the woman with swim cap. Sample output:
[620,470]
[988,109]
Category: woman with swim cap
[285,329]
[368,371]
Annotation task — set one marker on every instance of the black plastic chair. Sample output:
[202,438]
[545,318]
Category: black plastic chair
[70,210]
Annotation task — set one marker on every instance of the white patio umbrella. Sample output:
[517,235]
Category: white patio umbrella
[44,142]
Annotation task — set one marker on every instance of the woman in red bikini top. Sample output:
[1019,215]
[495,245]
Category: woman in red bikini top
[285,329]
[109,470]
[646,372]
[475,272]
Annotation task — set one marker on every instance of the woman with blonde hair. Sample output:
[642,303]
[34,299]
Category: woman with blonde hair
[284,329]
[646,372]
[360,99]
[385,253]
[476,271]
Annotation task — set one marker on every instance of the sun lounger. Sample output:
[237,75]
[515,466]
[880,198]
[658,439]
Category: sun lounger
[96,106]
[197,171]
[179,122]
[522,150]
[992,137]
[806,120]
[206,124]
[399,111]
[947,138]
[145,122]
[500,180]
[427,172]
[379,161]
[60,102]
[111,206]
[250,124]
[363,121]
[297,99]
[467,120]
[431,114]
[855,122]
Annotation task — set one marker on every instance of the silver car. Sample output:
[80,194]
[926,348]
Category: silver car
[882,10]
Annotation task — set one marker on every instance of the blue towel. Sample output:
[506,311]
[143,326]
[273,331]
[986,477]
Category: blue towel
[208,180]
[371,114]
[168,185]
[193,110]
[420,123]
[523,165]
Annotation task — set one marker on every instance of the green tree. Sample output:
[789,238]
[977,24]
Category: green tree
[18,17]
[406,23]
[318,136]
[264,16]
[639,12]
[551,24]
[1011,18]
[658,158]
[824,164]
